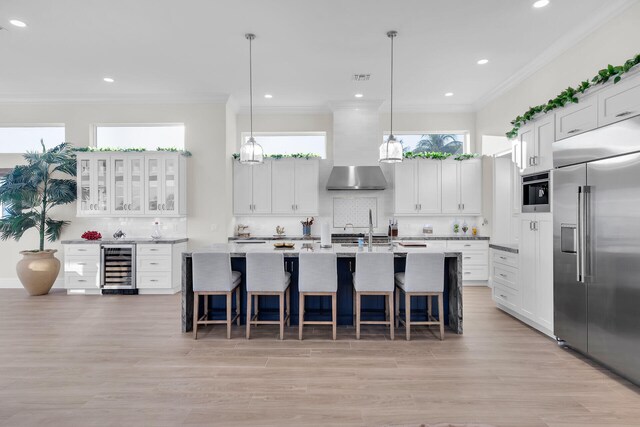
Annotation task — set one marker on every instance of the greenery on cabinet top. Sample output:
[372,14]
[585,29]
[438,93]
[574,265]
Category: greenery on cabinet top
[184,153]
[307,156]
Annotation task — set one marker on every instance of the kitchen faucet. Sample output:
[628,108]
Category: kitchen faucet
[370,230]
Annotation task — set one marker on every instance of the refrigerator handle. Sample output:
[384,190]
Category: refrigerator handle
[579,227]
[586,235]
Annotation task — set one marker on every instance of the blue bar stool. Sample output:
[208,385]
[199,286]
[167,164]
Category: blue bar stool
[374,276]
[318,276]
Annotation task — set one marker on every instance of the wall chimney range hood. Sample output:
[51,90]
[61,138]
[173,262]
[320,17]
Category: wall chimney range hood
[356,178]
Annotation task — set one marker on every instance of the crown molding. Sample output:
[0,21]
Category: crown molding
[612,9]
[315,109]
[115,99]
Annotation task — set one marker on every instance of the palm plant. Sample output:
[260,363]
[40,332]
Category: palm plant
[444,143]
[30,191]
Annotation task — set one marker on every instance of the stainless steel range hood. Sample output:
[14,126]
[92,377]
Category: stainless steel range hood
[356,178]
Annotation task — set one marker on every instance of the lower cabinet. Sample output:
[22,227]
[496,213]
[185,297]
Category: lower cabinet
[82,266]
[475,258]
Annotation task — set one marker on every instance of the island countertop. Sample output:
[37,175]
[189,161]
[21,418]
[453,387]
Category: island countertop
[127,240]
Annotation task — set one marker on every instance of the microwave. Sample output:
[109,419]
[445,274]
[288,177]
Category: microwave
[536,194]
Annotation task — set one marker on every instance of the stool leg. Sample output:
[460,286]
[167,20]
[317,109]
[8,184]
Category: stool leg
[441,315]
[357,315]
[255,303]
[334,309]
[195,315]
[206,307]
[281,315]
[238,307]
[353,299]
[288,296]
[300,314]
[407,313]
[249,296]
[229,315]
[391,315]
[397,316]
[429,308]
[386,308]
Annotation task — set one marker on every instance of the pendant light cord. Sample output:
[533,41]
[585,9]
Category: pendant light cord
[250,37]
[392,36]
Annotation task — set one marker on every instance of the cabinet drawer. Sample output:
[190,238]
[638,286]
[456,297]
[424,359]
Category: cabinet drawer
[507,297]
[577,118]
[86,249]
[507,258]
[474,258]
[73,281]
[81,264]
[467,244]
[505,275]
[154,249]
[436,244]
[153,281]
[619,102]
[154,263]
[475,273]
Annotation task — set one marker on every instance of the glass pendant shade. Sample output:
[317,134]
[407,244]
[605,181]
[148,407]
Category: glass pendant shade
[251,152]
[391,151]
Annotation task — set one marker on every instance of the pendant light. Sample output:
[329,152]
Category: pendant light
[251,152]
[391,149]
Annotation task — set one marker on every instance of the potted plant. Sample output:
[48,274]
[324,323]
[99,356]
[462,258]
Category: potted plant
[28,193]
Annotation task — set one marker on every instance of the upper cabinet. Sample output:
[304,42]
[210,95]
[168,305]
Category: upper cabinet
[418,187]
[131,184]
[462,187]
[577,118]
[620,101]
[278,187]
[535,145]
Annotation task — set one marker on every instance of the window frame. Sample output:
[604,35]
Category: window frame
[244,135]
[3,172]
[93,140]
[33,125]
[466,145]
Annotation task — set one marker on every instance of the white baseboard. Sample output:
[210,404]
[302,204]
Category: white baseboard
[14,283]
[526,321]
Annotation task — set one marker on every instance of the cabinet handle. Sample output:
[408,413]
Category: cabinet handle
[463,206]
[81,263]
[81,280]
[503,275]
[503,257]
[503,296]
[530,161]
[467,272]
[574,131]
[153,263]
[152,280]
[467,246]
[624,113]
[467,257]
[535,160]
[82,250]
[420,206]
[152,250]
[293,207]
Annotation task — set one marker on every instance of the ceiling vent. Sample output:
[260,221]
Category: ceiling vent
[361,77]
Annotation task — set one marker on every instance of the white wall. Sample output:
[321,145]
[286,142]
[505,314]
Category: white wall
[205,136]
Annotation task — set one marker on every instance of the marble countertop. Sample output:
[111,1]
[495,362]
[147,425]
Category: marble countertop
[417,237]
[127,240]
[507,247]
[274,237]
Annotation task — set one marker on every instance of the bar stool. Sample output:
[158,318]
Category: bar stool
[212,275]
[374,276]
[317,276]
[423,276]
[266,276]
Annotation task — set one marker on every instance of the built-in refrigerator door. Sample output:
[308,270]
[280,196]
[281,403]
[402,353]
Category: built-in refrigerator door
[569,289]
[614,285]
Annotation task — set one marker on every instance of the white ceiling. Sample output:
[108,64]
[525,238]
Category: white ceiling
[304,54]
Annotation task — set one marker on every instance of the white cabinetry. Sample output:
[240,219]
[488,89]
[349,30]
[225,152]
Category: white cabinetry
[127,192]
[418,187]
[294,186]
[475,258]
[620,101]
[251,188]
[166,190]
[94,171]
[577,118]
[462,187]
[82,266]
[505,279]
[535,142]
[158,267]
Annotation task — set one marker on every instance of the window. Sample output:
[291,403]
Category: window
[453,143]
[291,143]
[149,137]
[23,138]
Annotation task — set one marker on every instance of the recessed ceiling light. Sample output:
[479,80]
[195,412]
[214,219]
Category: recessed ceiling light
[268,96]
[108,80]
[358,95]
[448,94]
[540,3]
[483,61]
[18,23]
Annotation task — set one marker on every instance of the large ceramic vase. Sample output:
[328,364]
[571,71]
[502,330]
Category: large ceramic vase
[38,270]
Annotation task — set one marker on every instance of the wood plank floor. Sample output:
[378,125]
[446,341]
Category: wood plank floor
[122,360]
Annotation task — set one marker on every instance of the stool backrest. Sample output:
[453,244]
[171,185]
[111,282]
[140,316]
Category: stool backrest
[374,271]
[211,271]
[265,271]
[424,272]
[317,272]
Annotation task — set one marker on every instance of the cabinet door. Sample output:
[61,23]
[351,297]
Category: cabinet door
[283,175]
[527,255]
[544,272]
[135,187]
[242,189]
[306,186]
[517,190]
[153,173]
[545,136]
[262,188]
[119,197]
[169,185]
[450,186]
[85,193]
[429,186]
[405,188]
[577,118]
[101,186]
[471,186]
[527,145]
[620,101]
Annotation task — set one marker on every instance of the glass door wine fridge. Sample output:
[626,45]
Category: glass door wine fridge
[118,267]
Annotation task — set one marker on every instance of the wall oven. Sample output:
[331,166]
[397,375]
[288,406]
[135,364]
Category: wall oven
[117,267]
[536,193]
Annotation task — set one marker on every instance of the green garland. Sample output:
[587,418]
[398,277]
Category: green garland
[569,95]
[184,153]
[236,156]
[438,155]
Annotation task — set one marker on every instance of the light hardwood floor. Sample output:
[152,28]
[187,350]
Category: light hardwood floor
[122,361]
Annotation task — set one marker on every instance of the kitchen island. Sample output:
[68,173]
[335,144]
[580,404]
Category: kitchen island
[373,307]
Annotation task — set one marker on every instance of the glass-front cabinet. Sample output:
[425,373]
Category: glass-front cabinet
[127,191]
[162,185]
[93,185]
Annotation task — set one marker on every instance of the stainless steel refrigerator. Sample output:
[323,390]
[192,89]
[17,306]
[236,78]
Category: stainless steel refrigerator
[596,234]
